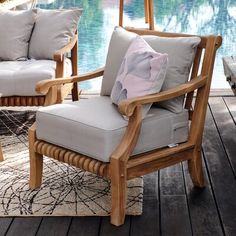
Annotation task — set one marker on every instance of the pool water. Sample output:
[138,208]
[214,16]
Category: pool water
[188,16]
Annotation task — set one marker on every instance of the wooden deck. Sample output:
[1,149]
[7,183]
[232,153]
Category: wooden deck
[171,205]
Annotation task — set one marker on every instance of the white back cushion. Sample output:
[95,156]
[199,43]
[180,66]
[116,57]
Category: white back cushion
[15,31]
[53,30]
[181,52]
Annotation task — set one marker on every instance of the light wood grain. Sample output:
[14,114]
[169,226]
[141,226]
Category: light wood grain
[36,161]
[148,13]
[1,154]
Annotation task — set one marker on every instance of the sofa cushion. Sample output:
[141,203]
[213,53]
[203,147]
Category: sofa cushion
[180,50]
[18,78]
[142,72]
[15,31]
[93,127]
[53,30]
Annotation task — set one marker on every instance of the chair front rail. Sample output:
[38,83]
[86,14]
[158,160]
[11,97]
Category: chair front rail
[158,163]
[147,157]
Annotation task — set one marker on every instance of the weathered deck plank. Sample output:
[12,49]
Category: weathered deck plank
[5,223]
[24,226]
[54,226]
[220,175]
[202,207]
[174,207]
[84,226]
[151,211]
[226,127]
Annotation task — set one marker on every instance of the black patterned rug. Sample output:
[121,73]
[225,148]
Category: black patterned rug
[65,190]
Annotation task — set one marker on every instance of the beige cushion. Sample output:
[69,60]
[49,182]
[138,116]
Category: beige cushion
[181,52]
[18,78]
[94,127]
[53,30]
[15,31]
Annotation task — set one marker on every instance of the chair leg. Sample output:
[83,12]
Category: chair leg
[195,168]
[118,194]
[36,168]
[36,161]
[1,154]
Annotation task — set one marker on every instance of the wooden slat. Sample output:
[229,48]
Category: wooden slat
[174,215]
[174,206]
[171,181]
[24,226]
[221,175]
[108,229]
[22,101]
[202,207]
[226,127]
[5,223]
[84,226]
[150,182]
[148,223]
[58,226]
[231,104]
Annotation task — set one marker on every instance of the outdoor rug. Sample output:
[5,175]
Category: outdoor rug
[65,190]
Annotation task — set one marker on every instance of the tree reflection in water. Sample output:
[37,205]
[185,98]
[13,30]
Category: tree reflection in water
[190,16]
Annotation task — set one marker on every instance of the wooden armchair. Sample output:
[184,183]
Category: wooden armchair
[123,164]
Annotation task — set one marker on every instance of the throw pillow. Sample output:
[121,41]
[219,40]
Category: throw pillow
[15,30]
[180,50]
[142,72]
[53,30]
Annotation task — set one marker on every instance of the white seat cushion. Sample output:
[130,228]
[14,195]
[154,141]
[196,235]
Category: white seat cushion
[19,78]
[94,127]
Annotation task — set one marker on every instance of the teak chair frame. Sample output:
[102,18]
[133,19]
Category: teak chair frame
[148,13]
[122,166]
[55,95]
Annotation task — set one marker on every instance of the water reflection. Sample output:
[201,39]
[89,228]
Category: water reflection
[191,16]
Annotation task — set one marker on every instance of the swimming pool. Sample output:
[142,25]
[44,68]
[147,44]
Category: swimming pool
[195,17]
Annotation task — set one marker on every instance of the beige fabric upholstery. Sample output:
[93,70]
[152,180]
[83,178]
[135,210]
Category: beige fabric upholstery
[53,30]
[18,78]
[179,64]
[94,127]
[15,32]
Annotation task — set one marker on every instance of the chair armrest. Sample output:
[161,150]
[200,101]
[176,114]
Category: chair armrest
[58,55]
[43,86]
[127,107]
